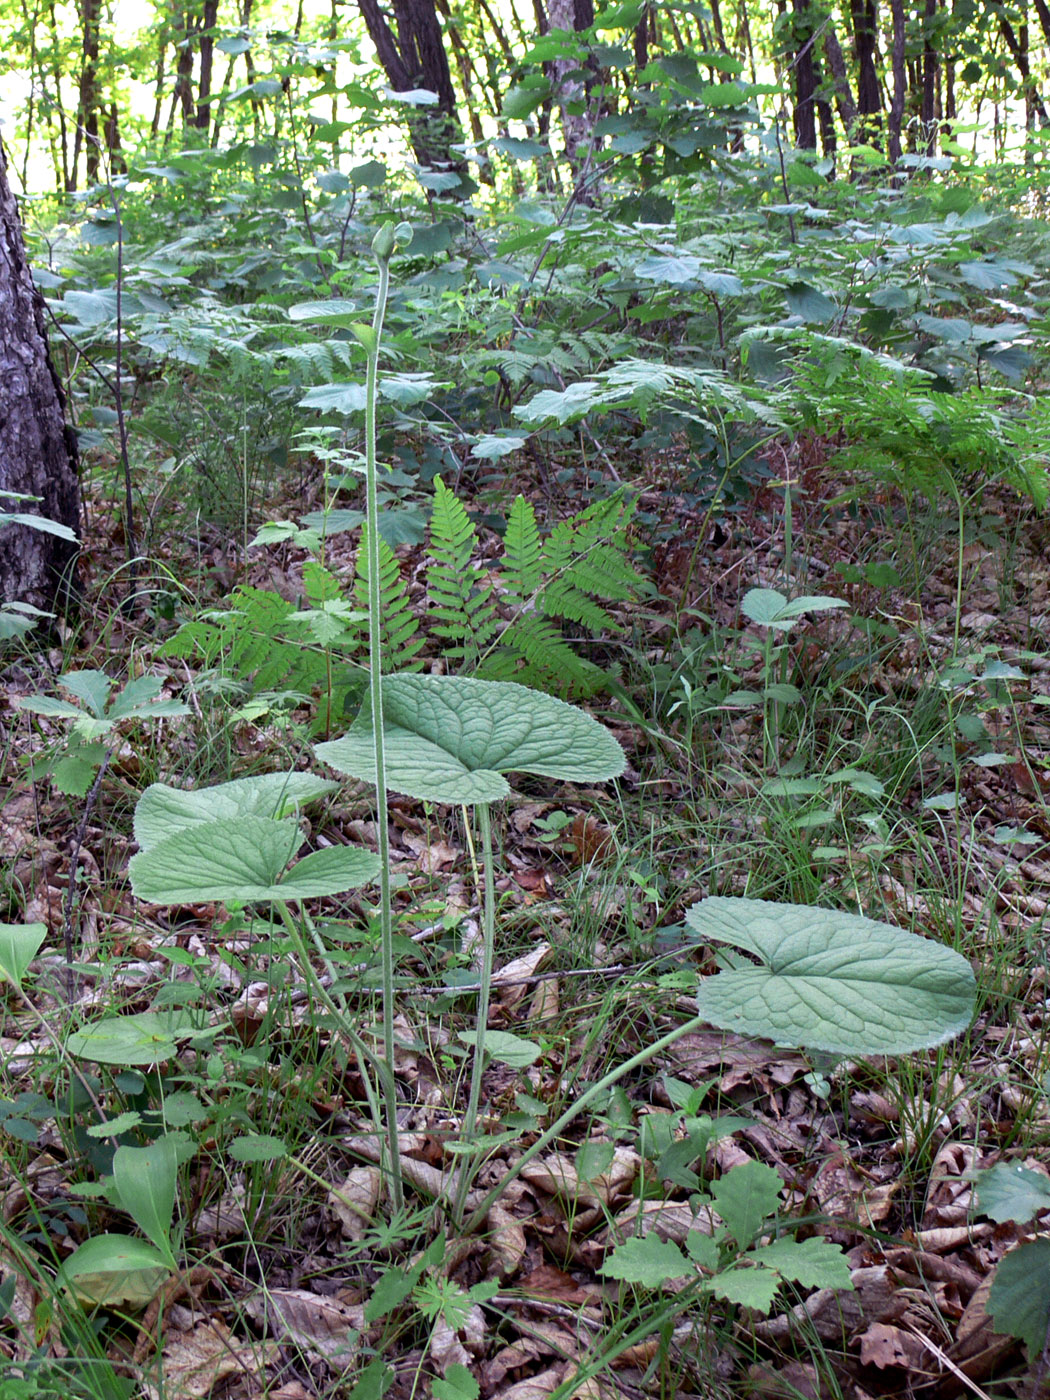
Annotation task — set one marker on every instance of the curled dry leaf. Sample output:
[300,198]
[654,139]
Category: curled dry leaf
[978,1347]
[883,1345]
[832,1315]
[509,981]
[193,1363]
[321,1327]
[354,1202]
[558,1176]
[224,1220]
[451,1346]
[669,1220]
[546,1001]
[541,1386]
[506,1240]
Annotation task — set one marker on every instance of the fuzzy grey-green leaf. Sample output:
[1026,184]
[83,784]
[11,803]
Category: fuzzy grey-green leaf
[162,810]
[831,981]
[451,739]
[243,858]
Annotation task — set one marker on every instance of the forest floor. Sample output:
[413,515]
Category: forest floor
[592,963]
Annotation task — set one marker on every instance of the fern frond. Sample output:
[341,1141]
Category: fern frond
[462,607]
[402,639]
[534,652]
[520,570]
[321,584]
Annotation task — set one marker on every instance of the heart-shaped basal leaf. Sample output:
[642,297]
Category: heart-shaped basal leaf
[244,859]
[831,981]
[451,739]
[162,810]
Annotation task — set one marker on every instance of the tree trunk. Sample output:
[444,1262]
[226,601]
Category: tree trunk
[864,16]
[415,59]
[37,451]
[899,81]
[207,46]
[805,78]
[930,77]
[840,80]
[86,134]
[1019,54]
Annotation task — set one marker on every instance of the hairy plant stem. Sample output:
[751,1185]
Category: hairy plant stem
[375,663]
[488,939]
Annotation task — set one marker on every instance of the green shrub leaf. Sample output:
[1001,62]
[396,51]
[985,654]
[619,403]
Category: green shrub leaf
[19,945]
[649,1261]
[114,1271]
[1009,1191]
[1019,1298]
[143,1038]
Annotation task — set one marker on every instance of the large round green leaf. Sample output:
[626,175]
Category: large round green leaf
[244,858]
[451,739]
[831,981]
[143,1038]
[114,1271]
[162,810]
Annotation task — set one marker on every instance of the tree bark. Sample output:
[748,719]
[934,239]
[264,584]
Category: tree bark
[930,75]
[840,80]
[86,134]
[202,120]
[37,451]
[1019,54]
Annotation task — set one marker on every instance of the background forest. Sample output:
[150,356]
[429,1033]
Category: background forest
[524,829]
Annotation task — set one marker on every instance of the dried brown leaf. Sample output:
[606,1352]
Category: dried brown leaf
[354,1202]
[321,1327]
[193,1363]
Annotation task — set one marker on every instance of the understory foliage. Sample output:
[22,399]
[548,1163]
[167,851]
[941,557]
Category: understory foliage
[664,526]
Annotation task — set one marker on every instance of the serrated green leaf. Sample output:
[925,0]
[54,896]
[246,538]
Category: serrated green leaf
[451,739]
[91,687]
[746,1287]
[1019,1298]
[257,1147]
[648,1261]
[702,1250]
[335,398]
[745,1198]
[831,981]
[162,810]
[114,1127]
[812,1263]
